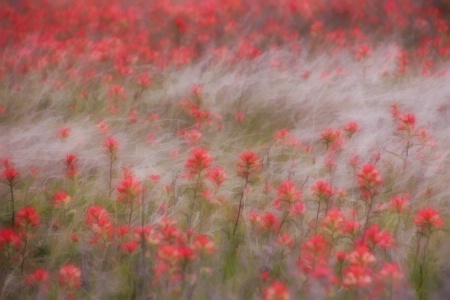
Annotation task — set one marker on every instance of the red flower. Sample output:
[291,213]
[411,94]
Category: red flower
[281,134]
[287,192]
[129,188]
[248,164]
[27,216]
[322,190]
[399,203]
[97,219]
[368,179]
[332,139]
[61,198]
[198,161]
[9,239]
[69,276]
[71,170]
[37,277]
[356,276]
[363,52]
[112,145]
[428,220]
[217,176]
[351,128]
[10,174]
[203,244]
[377,237]
[64,132]
[129,247]
[116,92]
[406,122]
[276,291]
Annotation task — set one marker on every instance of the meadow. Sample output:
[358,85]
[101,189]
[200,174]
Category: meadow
[224,149]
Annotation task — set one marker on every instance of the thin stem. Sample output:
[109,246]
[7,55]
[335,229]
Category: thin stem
[406,155]
[195,198]
[367,217]
[417,250]
[13,213]
[131,212]
[24,253]
[398,226]
[317,217]
[286,214]
[240,205]
[110,189]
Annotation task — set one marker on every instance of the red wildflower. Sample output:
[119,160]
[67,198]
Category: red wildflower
[363,52]
[129,247]
[332,139]
[248,164]
[361,256]
[334,221]
[116,92]
[399,203]
[406,122]
[198,161]
[144,81]
[368,179]
[217,176]
[376,237]
[9,239]
[97,218]
[112,145]
[69,276]
[351,128]
[129,188]
[61,198]
[10,175]
[428,220]
[203,244]
[281,134]
[287,196]
[71,167]
[356,276]
[316,245]
[37,277]
[322,190]
[27,216]
[276,291]
[239,116]
[64,132]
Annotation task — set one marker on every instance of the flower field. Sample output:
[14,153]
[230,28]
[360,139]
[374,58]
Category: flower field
[224,149]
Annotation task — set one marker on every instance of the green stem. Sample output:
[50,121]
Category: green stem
[367,217]
[240,205]
[13,213]
[317,217]
[286,214]
[131,212]
[195,199]
[110,189]
[24,253]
